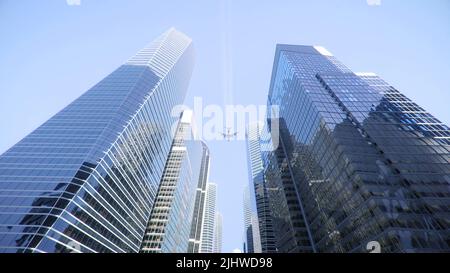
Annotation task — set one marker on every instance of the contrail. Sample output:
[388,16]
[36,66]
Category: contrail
[227,64]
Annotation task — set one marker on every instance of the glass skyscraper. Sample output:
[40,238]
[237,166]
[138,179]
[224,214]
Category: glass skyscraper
[199,204]
[86,180]
[252,242]
[357,161]
[169,226]
[261,191]
[218,233]
[248,230]
[209,221]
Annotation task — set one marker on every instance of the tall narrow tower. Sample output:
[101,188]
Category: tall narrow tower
[218,233]
[209,221]
[252,241]
[170,221]
[261,191]
[199,204]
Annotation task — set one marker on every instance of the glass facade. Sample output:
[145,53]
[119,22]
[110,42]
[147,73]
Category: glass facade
[199,203]
[248,232]
[218,233]
[357,161]
[209,221]
[86,180]
[170,221]
[252,242]
[261,191]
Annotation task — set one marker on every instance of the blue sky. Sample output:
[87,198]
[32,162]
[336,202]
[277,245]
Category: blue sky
[50,53]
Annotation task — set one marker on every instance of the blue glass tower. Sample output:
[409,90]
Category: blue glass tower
[357,161]
[86,180]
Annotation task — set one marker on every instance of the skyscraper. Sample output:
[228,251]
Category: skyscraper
[248,231]
[207,237]
[252,242]
[256,234]
[218,233]
[86,179]
[170,221]
[261,191]
[363,161]
[199,204]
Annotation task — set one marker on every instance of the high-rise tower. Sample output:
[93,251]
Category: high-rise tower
[199,204]
[218,233]
[363,162]
[252,240]
[261,193]
[209,221]
[170,221]
[86,179]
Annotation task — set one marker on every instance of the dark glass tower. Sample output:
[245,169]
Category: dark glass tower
[357,160]
[86,179]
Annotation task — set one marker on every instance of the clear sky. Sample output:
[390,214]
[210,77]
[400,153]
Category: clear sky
[50,53]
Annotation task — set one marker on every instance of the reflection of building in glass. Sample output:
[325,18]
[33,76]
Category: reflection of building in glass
[357,161]
[171,217]
[260,194]
[88,177]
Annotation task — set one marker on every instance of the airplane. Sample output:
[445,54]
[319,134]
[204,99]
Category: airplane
[228,135]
